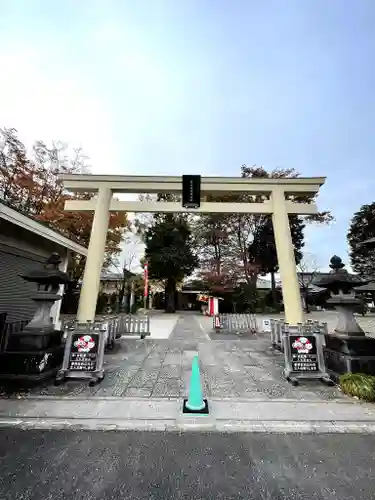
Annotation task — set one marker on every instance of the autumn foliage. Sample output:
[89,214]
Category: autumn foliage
[237,248]
[29,183]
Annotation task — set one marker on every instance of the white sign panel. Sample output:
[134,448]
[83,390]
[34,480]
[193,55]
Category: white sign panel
[267,325]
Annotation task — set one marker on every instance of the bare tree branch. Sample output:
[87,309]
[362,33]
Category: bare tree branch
[307,271]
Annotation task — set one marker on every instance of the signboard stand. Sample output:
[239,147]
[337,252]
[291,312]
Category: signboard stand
[267,326]
[273,333]
[303,351]
[276,330]
[84,354]
[217,324]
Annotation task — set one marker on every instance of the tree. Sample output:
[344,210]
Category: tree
[262,249]
[362,228]
[246,241]
[143,221]
[218,283]
[307,271]
[169,253]
[244,298]
[128,258]
[219,239]
[211,238]
[30,184]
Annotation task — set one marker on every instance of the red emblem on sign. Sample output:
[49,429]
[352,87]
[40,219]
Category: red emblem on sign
[303,345]
[84,343]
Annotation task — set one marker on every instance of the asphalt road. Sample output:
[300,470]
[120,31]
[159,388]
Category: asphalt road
[54,465]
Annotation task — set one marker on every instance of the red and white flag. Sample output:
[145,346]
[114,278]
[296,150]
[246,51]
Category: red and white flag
[145,277]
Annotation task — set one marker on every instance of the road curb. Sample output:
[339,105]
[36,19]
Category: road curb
[199,425]
[159,414]
[129,399]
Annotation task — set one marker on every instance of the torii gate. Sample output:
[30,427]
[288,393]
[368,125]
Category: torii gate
[275,189]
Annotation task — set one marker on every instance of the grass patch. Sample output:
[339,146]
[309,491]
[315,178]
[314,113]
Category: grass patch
[358,384]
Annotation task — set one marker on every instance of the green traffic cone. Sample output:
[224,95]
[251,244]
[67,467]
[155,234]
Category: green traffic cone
[195,402]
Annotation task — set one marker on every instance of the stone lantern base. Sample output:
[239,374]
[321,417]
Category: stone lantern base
[36,352]
[32,356]
[347,349]
[347,354]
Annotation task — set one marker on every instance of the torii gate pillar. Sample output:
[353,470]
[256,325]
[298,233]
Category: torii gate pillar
[95,257]
[286,260]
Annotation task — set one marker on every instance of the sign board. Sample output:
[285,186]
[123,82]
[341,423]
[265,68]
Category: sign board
[267,325]
[84,353]
[217,324]
[303,352]
[191,191]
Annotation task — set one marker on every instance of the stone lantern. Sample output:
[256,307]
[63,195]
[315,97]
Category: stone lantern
[36,352]
[347,348]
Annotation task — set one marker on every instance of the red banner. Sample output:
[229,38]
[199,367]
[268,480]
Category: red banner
[145,277]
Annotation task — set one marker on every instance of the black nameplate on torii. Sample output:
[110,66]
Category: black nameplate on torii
[191,191]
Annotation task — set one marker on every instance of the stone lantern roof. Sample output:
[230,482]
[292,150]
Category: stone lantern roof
[49,275]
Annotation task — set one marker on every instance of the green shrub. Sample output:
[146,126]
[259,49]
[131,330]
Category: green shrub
[358,384]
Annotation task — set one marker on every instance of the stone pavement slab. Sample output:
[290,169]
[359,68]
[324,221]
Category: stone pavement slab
[162,369]
[166,414]
[146,381]
[189,330]
[237,368]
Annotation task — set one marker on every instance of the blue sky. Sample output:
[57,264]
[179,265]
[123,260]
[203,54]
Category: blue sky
[178,86]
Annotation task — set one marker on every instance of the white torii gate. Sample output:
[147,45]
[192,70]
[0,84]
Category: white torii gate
[275,189]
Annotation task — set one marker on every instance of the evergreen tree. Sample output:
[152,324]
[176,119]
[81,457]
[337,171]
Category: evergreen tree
[169,253]
[362,228]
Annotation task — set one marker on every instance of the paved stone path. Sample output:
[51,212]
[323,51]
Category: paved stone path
[189,331]
[233,368]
